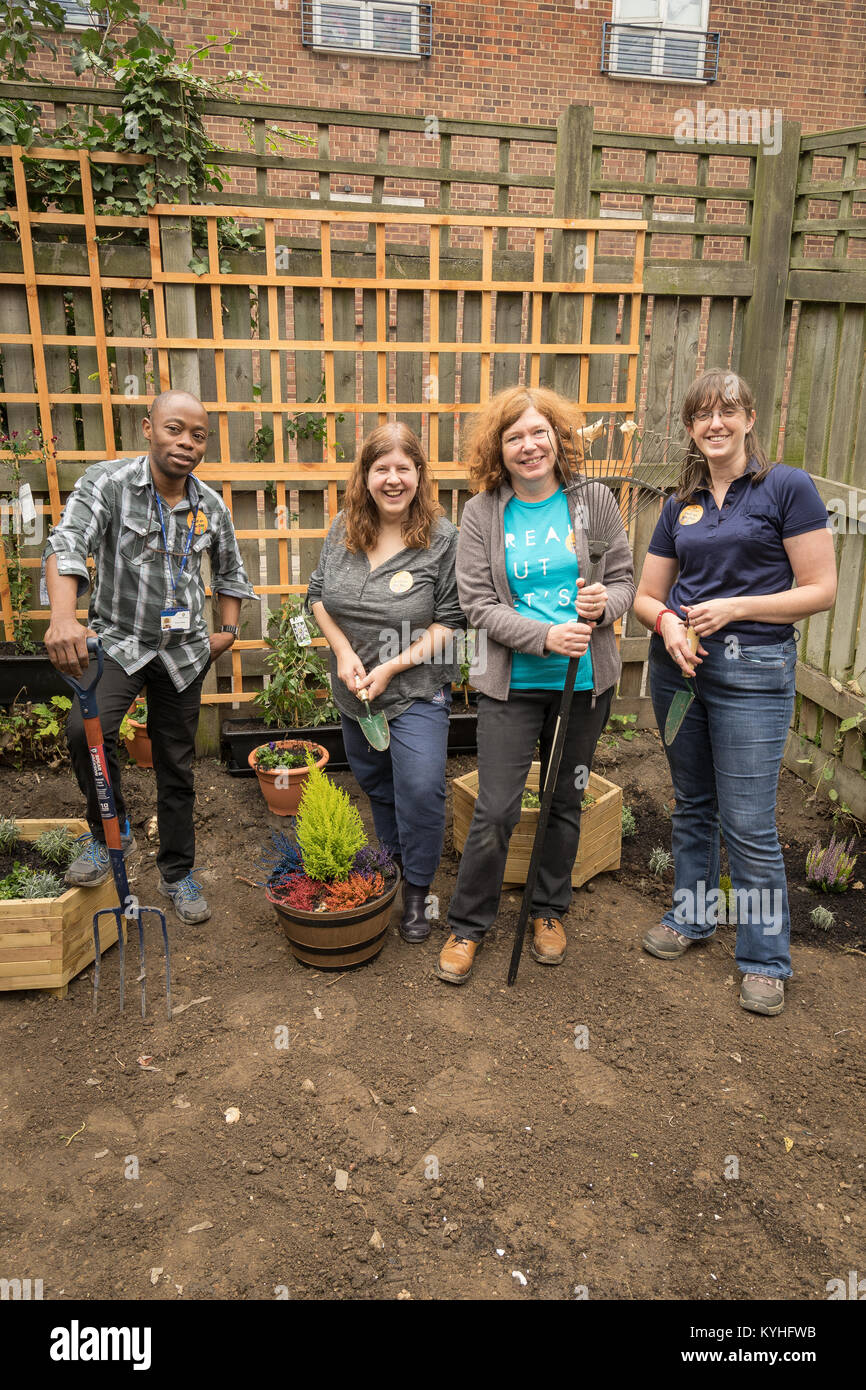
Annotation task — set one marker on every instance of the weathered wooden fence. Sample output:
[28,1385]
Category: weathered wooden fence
[753,259]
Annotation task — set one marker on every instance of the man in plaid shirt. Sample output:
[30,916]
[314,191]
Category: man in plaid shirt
[147,522]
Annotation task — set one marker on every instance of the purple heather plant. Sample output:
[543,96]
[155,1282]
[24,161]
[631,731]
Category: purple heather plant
[370,861]
[830,869]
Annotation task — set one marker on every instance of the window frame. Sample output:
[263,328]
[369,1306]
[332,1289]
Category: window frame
[656,73]
[366,10]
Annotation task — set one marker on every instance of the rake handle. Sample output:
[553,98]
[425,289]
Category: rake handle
[550,775]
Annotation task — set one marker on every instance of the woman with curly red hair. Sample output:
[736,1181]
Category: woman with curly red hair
[385,597]
[522,560]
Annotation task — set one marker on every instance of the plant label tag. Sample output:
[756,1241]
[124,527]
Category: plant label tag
[301,631]
[27,505]
[174,620]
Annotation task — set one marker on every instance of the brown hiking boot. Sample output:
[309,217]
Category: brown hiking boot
[664,942]
[548,941]
[762,994]
[456,959]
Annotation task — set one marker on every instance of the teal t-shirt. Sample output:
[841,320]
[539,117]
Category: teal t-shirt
[542,574]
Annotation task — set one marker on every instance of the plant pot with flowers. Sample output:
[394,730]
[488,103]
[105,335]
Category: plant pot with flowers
[332,892]
[133,729]
[282,768]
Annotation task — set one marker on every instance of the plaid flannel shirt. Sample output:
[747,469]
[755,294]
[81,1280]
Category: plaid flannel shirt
[112,514]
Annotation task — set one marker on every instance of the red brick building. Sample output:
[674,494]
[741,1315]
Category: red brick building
[521,60]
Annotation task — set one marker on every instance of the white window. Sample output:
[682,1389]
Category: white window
[79,15]
[664,39]
[395,28]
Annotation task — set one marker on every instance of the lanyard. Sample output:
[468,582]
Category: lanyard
[189,535]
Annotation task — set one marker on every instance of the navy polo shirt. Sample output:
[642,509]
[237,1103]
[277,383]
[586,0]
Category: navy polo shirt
[737,550]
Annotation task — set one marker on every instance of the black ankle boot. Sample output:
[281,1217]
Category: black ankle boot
[415,925]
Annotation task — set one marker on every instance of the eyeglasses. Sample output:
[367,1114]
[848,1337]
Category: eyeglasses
[727,412]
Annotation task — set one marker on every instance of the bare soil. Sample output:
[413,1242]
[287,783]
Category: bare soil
[688,1151]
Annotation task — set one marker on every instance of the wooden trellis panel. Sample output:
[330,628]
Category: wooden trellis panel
[332,317]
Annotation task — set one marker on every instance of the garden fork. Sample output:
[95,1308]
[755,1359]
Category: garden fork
[129,909]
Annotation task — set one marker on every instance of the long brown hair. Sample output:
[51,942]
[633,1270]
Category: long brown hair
[360,513]
[484,452]
[717,387]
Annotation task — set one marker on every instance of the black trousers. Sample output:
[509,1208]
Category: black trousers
[507,734]
[172,721]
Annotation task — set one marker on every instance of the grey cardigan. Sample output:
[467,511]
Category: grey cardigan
[487,601]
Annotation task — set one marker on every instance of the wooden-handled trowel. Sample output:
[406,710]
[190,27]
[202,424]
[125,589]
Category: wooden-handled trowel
[374,726]
[680,704]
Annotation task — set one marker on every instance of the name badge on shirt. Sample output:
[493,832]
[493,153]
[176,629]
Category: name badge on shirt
[174,620]
[401,582]
[689,515]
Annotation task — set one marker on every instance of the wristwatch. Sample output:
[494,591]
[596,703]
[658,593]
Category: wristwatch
[227,627]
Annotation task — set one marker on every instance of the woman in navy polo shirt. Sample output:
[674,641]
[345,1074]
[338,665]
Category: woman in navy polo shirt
[728,546]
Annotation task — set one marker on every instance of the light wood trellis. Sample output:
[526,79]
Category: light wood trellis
[411,328]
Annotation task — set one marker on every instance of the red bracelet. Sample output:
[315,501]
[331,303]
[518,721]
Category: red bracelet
[661,614]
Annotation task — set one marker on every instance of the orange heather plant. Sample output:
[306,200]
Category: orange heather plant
[354,891]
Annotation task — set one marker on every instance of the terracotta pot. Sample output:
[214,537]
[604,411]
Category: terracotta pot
[139,746]
[337,940]
[282,788]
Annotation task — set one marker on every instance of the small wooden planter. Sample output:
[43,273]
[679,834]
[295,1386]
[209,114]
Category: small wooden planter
[45,942]
[337,940]
[600,828]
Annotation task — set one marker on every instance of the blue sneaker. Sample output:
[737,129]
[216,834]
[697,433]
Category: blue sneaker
[186,894]
[93,866]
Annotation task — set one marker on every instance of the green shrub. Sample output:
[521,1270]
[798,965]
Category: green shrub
[329,829]
[629,825]
[10,832]
[822,917]
[660,861]
[56,845]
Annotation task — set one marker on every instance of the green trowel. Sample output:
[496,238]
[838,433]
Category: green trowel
[374,726]
[682,701]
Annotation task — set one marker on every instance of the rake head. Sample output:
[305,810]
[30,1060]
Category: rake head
[132,913]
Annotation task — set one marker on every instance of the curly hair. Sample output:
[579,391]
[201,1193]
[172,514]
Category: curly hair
[360,513]
[717,387]
[484,451]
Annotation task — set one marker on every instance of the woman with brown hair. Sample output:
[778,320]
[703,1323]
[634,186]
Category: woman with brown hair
[722,560]
[522,560]
[385,597]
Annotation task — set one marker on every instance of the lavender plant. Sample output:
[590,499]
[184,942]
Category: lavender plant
[829,869]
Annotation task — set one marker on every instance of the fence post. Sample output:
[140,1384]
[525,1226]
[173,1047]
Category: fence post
[571,198]
[762,359]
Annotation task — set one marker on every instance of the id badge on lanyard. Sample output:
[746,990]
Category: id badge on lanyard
[175,619]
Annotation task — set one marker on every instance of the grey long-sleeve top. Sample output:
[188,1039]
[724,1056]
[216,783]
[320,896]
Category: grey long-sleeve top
[382,611]
[489,604]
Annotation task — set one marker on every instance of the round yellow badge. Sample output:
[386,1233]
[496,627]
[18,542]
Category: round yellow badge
[401,582]
[689,515]
[200,521]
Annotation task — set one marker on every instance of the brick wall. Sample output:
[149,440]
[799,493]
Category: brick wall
[525,61]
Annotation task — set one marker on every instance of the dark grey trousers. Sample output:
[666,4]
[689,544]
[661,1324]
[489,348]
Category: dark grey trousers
[508,731]
[172,721]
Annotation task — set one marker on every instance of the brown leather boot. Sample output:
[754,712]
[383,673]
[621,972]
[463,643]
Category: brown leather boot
[456,959]
[548,941]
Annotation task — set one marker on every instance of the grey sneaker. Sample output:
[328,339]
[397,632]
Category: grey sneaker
[762,994]
[186,894]
[664,942]
[93,865]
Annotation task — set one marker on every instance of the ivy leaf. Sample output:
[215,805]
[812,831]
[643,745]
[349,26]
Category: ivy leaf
[198,266]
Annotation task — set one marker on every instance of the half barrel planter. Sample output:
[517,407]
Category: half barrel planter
[337,940]
[45,942]
[284,797]
[600,845]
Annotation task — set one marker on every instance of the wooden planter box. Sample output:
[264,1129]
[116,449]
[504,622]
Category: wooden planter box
[600,828]
[44,942]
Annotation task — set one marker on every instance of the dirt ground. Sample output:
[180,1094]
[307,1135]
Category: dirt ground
[689,1151]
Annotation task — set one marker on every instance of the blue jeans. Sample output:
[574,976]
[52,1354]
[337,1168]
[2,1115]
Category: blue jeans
[406,783]
[725,764]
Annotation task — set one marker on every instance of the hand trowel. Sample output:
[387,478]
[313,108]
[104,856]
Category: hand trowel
[680,704]
[373,726]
